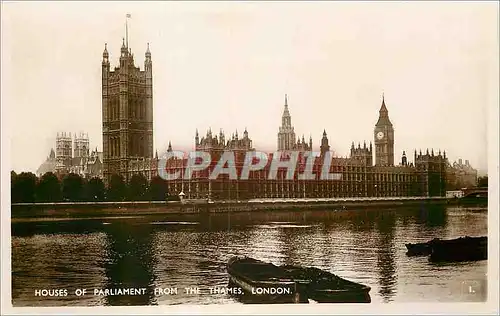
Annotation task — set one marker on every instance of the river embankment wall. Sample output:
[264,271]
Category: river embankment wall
[143,208]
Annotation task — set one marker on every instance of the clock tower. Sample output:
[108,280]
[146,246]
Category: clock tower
[384,138]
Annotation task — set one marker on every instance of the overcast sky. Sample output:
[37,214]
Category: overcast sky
[228,65]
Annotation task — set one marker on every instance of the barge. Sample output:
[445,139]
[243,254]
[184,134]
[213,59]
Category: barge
[266,282]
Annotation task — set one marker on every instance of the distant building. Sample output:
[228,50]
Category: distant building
[64,152]
[73,157]
[461,175]
[88,166]
[49,165]
[81,146]
[286,134]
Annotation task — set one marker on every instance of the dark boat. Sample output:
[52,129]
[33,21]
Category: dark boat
[326,287]
[297,284]
[420,249]
[459,249]
[263,282]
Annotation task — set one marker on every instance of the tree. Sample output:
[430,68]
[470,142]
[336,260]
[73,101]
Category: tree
[13,193]
[72,187]
[117,190]
[94,190]
[482,182]
[158,189]
[48,188]
[23,187]
[137,187]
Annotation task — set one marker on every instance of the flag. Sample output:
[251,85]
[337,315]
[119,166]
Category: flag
[128,15]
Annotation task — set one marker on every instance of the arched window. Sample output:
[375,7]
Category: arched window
[111,147]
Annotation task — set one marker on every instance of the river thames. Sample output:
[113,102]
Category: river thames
[168,252]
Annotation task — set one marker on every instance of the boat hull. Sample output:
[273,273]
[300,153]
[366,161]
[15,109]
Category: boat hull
[459,249]
[420,249]
[263,282]
[266,283]
[320,296]
[325,287]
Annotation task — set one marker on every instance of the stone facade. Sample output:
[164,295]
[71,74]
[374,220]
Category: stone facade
[461,175]
[127,113]
[357,175]
[64,152]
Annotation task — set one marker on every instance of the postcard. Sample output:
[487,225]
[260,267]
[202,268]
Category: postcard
[249,157]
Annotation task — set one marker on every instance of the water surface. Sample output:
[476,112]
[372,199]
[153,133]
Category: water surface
[191,251]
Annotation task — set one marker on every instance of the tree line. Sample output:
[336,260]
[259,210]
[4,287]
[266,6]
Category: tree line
[26,187]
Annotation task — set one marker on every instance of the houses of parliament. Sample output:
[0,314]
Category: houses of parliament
[360,176]
[371,169]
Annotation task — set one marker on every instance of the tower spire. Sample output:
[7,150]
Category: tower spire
[383,108]
[383,119]
[286,99]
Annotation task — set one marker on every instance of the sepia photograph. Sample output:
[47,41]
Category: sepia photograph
[249,157]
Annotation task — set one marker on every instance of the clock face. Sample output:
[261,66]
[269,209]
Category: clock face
[380,135]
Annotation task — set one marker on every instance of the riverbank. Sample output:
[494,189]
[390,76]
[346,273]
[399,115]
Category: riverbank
[20,211]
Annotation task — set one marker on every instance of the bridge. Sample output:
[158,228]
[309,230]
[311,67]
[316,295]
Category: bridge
[478,192]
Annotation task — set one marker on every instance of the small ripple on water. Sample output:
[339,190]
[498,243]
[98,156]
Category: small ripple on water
[175,223]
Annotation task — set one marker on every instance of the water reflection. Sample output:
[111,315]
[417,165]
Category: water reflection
[432,215]
[386,255]
[129,263]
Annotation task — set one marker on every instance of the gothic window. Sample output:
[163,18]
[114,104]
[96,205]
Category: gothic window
[142,146]
[139,109]
[132,145]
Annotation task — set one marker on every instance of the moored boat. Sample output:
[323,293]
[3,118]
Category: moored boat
[326,287]
[420,249]
[459,249]
[297,284]
[264,282]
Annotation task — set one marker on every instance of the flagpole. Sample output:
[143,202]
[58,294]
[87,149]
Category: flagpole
[126,27]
